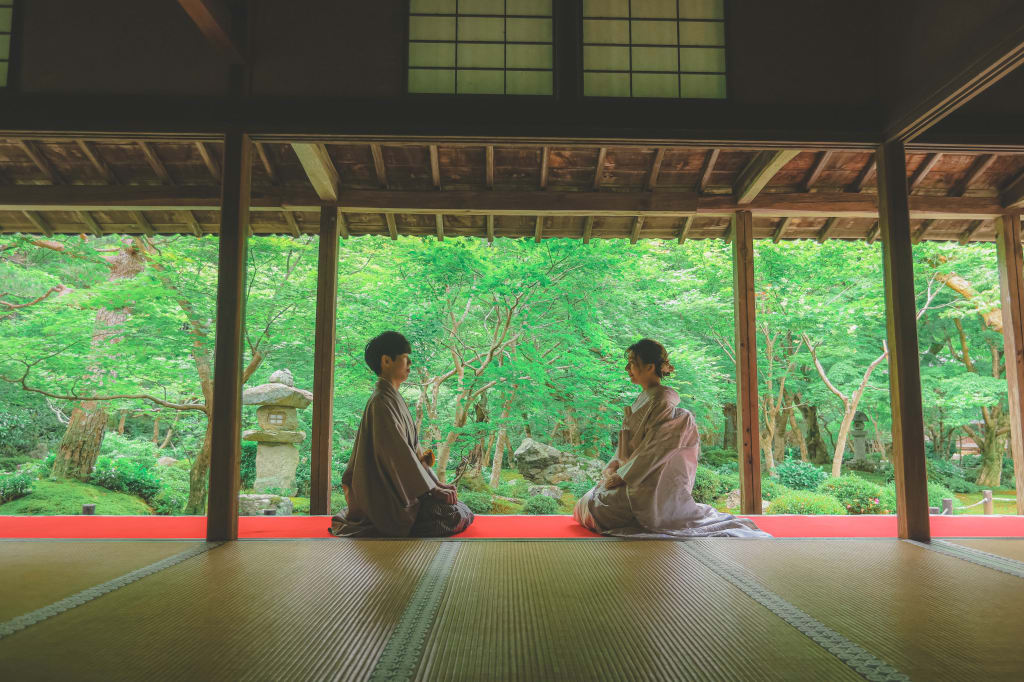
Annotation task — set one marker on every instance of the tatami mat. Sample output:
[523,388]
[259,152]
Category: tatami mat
[930,615]
[35,574]
[607,611]
[1011,549]
[274,610]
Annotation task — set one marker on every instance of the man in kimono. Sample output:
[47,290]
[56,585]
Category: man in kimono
[389,488]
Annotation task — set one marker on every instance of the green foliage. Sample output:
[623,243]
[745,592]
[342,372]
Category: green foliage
[13,486]
[948,474]
[132,475]
[936,492]
[865,465]
[65,498]
[478,503]
[806,502]
[540,504]
[713,458]
[1007,479]
[15,462]
[770,489]
[856,494]
[887,499]
[516,487]
[706,484]
[577,490]
[248,467]
[727,481]
[173,490]
[799,475]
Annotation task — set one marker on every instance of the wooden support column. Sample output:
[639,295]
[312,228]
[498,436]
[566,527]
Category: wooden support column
[1011,287]
[226,445]
[323,364]
[908,459]
[746,362]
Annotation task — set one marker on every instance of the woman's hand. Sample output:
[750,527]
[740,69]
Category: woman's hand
[614,481]
[444,494]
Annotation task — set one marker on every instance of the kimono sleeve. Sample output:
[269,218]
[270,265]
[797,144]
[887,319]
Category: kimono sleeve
[395,457]
[661,436]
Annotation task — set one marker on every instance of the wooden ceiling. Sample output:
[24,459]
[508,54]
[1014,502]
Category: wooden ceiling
[107,186]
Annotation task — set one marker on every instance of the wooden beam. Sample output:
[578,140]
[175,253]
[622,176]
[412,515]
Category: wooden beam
[538,229]
[490,229]
[213,19]
[91,223]
[600,167]
[921,231]
[293,226]
[908,455]
[730,231]
[705,174]
[777,237]
[969,232]
[226,424]
[652,177]
[435,167]
[588,228]
[40,222]
[319,169]
[1011,288]
[489,165]
[268,167]
[342,224]
[211,163]
[923,170]
[825,230]
[323,364]
[389,218]
[40,161]
[981,164]
[873,233]
[1013,195]
[761,169]
[98,163]
[155,163]
[439,223]
[746,363]
[638,224]
[684,231]
[143,222]
[816,169]
[544,153]
[866,174]
[378,165]
[193,223]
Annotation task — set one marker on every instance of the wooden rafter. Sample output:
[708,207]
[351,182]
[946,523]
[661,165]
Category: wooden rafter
[439,223]
[40,161]
[759,172]
[193,223]
[343,224]
[490,229]
[599,171]
[213,19]
[544,153]
[211,163]
[652,177]
[268,167]
[709,168]
[684,231]
[969,232]
[1012,195]
[435,167]
[319,169]
[293,226]
[97,162]
[143,222]
[40,222]
[777,237]
[489,166]
[926,166]
[816,170]
[378,165]
[921,231]
[155,163]
[392,225]
[91,223]
[866,174]
[730,231]
[638,224]
[588,228]
[538,229]
[873,233]
[981,164]
[826,229]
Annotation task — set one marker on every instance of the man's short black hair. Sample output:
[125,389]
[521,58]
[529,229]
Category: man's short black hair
[391,344]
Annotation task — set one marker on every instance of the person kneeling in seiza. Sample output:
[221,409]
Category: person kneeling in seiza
[388,483]
[646,489]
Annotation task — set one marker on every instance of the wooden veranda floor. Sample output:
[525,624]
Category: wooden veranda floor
[497,609]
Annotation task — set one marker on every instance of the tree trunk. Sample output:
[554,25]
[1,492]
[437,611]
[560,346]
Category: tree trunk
[526,426]
[779,437]
[816,448]
[80,445]
[795,431]
[156,430]
[844,430]
[198,479]
[121,421]
[729,434]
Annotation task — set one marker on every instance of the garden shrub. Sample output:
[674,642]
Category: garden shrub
[499,506]
[577,490]
[248,466]
[856,494]
[517,487]
[15,485]
[936,492]
[1008,480]
[887,499]
[705,485]
[770,489]
[805,502]
[478,503]
[15,462]
[132,475]
[727,481]
[948,474]
[713,458]
[540,504]
[799,475]
[730,467]
[173,493]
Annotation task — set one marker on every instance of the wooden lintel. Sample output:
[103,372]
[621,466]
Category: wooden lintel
[744,305]
[319,169]
[211,163]
[193,223]
[378,165]
[439,223]
[213,18]
[389,218]
[435,167]
[825,230]
[638,224]
[969,232]
[342,224]
[981,164]
[652,177]
[1013,195]
[873,233]
[544,153]
[489,165]
[866,174]
[40,161]
[159,169]
[293,226]
[538,229]
[817,169]
[921,231]
[923,170]
[490,229]
[268,167]
[97,162]
[588,228]
[323,364]
[759,172]
[40,222]
[777,237]
[684,231]
[599,171]
[1011,288]
[705,174]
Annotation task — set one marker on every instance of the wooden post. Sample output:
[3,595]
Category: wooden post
[1011,287]
[901,325]
[988,507]
[323,364]
[225,444]
[947,506]
[747,441]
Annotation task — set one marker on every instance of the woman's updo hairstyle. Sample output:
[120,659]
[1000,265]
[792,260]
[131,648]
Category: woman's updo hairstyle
[650,352]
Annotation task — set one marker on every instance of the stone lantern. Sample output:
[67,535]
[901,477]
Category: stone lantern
[859,436]
[277,454]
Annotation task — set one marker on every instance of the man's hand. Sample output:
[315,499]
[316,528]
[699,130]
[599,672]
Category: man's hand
[445,494]
[613,481]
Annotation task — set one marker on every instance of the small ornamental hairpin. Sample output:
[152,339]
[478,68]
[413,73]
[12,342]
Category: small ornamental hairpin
[428,457]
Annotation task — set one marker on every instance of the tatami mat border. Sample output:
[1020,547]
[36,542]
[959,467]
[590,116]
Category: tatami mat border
[974,556]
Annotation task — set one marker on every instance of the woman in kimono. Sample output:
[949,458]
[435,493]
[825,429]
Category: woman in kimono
[646,488]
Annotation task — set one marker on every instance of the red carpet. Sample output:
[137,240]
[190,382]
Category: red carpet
[187,527]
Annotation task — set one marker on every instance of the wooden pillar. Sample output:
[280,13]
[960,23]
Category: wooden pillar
[908,459]
[747,441]
[1011,287]
[323,364]
[226,446]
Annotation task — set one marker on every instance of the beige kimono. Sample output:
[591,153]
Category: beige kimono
[656,499]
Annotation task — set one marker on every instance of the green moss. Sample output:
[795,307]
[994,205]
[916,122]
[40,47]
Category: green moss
[52,498]
[499,506]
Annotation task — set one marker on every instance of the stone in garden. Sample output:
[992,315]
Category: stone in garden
[859,437]
[253,505]
[276,455]
[546,465]
[166,462]
[732,500]
[40,451]
[552,491]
